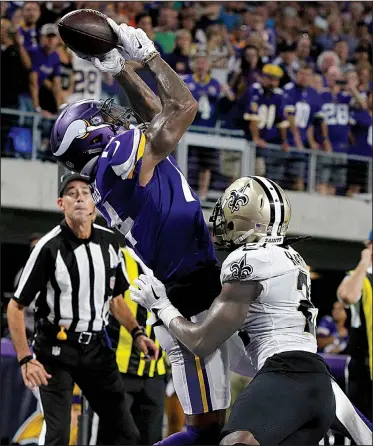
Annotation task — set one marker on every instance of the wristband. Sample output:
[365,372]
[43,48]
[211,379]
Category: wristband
[150,57]
[168,313]
[137,331]
[138,334]
[25,360]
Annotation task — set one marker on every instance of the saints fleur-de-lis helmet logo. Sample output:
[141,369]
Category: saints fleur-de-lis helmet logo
[241,270]
[237,198]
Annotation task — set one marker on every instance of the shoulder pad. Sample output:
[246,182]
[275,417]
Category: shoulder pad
[124,152]
[246,263]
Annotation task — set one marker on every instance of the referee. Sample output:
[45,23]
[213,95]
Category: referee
[144,381]
[356,291]
[73,274]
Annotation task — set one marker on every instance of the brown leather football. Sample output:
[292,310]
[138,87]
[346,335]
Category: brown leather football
[87,31]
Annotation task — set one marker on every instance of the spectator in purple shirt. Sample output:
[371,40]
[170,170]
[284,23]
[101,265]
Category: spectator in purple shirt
[332,335]
[45,71]
[29,32]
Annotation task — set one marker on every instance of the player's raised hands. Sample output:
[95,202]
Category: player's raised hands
[136,44]
[150,293]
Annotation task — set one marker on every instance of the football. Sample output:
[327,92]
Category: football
[87,31]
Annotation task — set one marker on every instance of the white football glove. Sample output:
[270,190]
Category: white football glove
[111,62]
[136,44]
[151,294]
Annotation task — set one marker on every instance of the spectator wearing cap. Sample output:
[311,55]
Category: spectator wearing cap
[75,275]
[267,122]
[45,70]
[45,81]
[355,292]
[287,61]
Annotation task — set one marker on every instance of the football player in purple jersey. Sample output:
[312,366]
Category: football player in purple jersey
[140,190]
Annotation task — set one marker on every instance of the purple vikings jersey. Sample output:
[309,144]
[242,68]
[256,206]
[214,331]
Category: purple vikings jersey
[162,221]
[266,107]
[336,111]
[325,328]
[305,105]
[207,95]
[361,127]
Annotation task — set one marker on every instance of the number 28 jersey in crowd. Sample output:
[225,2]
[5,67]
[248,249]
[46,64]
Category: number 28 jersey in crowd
[163,222]
[282,318]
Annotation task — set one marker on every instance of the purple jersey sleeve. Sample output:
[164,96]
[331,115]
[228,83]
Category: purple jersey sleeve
[325,327]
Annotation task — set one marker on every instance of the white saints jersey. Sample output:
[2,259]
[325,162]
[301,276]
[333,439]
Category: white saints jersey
[87,81]
[282,318]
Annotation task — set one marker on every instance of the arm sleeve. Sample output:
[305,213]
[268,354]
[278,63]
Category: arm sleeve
[125,151]
[35,276]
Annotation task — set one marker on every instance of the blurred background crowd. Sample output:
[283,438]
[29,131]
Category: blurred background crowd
[292,80]
[287,76]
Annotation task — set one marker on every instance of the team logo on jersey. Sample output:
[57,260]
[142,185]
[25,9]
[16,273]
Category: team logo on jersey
[237,198]
[241,270]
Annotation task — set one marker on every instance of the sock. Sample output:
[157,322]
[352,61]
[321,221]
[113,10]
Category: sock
[188,437]
[193,436]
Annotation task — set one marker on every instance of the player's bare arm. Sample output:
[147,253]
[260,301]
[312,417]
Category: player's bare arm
[225,316]
[144,102]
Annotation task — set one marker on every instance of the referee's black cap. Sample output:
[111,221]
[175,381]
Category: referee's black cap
[67,178]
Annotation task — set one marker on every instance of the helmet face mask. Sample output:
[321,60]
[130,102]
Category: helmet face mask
[251,210]
[84,129]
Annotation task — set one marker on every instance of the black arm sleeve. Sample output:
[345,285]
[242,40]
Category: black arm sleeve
[121,282]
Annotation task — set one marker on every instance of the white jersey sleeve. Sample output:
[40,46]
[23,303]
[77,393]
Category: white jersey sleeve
[246,263]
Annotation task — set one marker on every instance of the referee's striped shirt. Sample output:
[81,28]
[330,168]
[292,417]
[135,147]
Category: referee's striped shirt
[129,359]
[72,280]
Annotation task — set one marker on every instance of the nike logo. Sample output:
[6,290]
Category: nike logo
[157,297]
[138,41]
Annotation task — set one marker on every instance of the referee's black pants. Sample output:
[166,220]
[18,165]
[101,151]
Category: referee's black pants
[146,400]
[93,368]
[359,388]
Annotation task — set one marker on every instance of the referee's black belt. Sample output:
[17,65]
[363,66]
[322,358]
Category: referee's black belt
[82,337]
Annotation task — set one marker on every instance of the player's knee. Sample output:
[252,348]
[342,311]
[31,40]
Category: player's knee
[239,438]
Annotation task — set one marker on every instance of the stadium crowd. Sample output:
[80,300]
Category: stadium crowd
[291,74]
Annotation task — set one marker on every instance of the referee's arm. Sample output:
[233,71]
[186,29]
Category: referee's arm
[33,279]
[124,315]
[349,291]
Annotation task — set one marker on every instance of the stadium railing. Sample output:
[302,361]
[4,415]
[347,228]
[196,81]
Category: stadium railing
[234,155]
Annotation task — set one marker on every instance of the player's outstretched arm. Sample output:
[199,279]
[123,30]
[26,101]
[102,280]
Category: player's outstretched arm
[143,101]
[225,316]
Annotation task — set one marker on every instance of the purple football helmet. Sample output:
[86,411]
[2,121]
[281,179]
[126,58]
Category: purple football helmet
[83,130]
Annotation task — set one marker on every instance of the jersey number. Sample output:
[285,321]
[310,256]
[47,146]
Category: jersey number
[85,81]
[305,305]
[267,116]
[336,114]
[302,113]
[204,107]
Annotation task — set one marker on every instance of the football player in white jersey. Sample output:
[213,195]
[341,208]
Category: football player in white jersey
[87,81]
[292,399]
